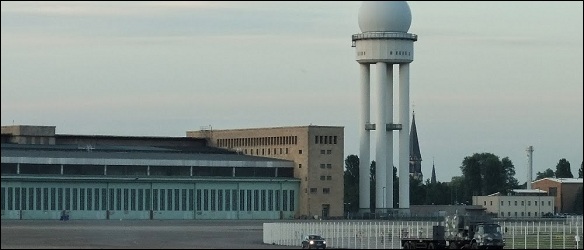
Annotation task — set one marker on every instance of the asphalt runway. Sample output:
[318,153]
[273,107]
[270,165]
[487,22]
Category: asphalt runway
[135,234]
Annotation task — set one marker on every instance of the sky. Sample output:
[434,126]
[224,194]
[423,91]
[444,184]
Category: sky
[487,77]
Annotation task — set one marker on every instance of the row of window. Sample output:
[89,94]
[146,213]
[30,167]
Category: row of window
[397,53]
[130,199]
[325,139]
[522,203]
[264,150]
[516,214]
[315,190]
[328,151]
[328,177]
[257,141]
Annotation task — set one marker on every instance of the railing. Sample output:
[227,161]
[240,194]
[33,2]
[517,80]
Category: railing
[387,234]
[381,35]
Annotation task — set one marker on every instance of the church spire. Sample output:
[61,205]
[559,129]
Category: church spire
[415,156]
[433,180]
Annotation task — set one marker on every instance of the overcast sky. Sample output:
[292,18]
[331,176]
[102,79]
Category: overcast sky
[490,77]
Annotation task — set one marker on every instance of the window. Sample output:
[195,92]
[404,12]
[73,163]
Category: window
[536,203]
[313,190]
[502,214]
[549,203]
[335,139]
[515,214]
[490,203]
[321,165]
[484,203]
[329,166]
[328,177]
[535,214]
[528,213]
[509,203]
[328,152]
[529,203]
[286,150]
[300,151]
[322,151]
[508,213]
[299,165]
[522,203]
[502,203]
[515,205]
[322,177]
[326,190]
[316,139]
[522,214]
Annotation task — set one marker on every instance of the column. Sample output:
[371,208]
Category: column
[364,139]
[381,149]
[404,136]
[389,139]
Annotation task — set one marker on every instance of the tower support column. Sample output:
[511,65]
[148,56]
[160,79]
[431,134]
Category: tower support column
[389,138]
[381,146]
[364,140]
[404,136]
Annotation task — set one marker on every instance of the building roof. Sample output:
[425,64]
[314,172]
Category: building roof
[563,180]
[414,144]
[130,155]
[528,191]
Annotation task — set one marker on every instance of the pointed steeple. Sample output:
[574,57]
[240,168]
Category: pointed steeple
[415,156]
[433,179]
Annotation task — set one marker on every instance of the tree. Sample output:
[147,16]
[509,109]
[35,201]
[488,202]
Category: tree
[485,174]
[548,173]
[511,182]
[351,181]
[580,170]
[563,169]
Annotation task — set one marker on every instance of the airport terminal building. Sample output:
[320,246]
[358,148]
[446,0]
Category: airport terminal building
[45,175]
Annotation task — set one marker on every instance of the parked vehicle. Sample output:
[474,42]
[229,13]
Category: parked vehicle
[313,241]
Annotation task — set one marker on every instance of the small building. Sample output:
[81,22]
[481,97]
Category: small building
[519,203]
[564,190]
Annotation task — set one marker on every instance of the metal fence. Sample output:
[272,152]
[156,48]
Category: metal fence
[387,234]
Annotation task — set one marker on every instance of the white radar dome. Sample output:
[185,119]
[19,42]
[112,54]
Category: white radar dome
[385,16]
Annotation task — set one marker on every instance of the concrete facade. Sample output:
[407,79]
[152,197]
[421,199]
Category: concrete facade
[317,153]
[564,190]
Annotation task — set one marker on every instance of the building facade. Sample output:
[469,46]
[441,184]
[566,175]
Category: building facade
[519,204]
[564,191]
[46,175]
[317,153]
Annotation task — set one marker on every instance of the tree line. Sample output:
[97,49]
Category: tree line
[482,174]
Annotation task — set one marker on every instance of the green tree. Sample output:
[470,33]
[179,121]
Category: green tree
[548,173]
[417,192]
[511,182]
[457,190]
[563,169]
[438,193]
[351,181]
[580,170]
[485,174]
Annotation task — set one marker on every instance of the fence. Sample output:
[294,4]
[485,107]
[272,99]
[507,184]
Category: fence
[387,234]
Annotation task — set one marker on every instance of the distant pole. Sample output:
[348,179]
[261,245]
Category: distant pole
[529,166]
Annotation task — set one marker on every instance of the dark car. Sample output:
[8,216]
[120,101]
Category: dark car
[313,241]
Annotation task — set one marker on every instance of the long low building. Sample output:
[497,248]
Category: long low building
[46,175]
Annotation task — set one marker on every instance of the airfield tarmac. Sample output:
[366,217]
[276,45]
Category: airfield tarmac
[135,234]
